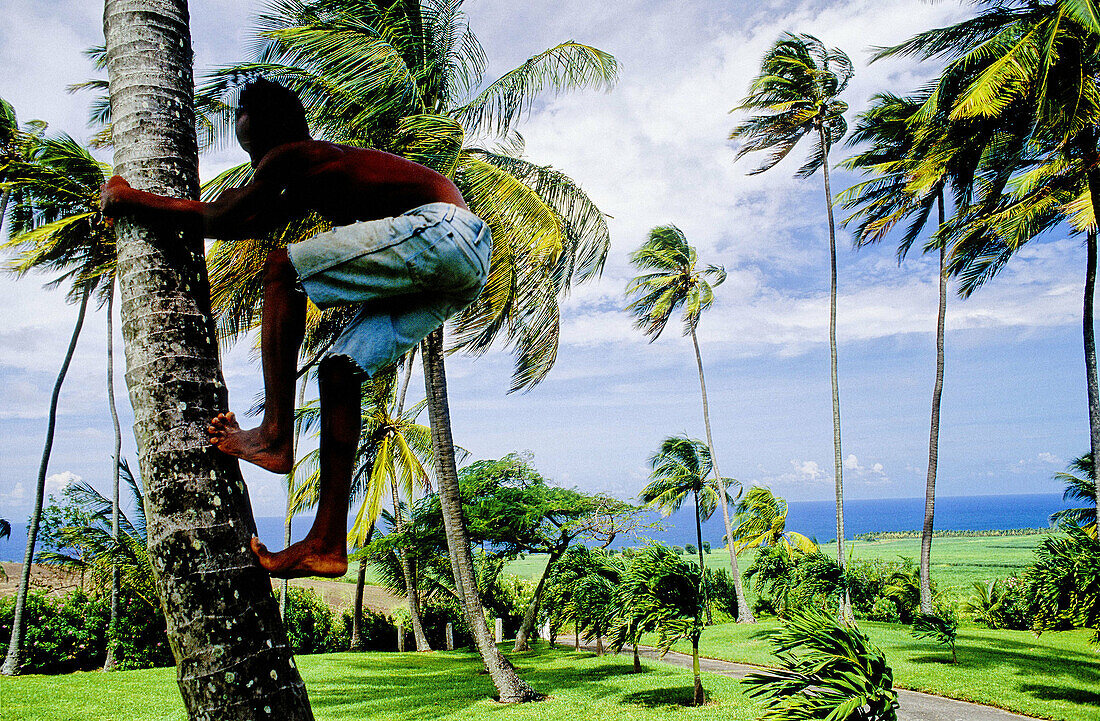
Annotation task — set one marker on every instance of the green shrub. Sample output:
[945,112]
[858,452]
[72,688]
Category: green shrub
[311,626]
[706,546]
[690,549]
[678,550]
[721,592]
[941,628]
[69,633]
[884,609]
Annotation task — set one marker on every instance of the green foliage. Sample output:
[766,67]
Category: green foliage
[790,579]
[760,519]
[1080,483]
[689,549]
[941,628]
[706,546]
[721,593]
[1064,581]
[678,550]
[660,592]
[69,633]
[311,626]
[829,671]
[897,535]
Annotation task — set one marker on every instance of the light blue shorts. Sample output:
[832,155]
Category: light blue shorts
[410,273]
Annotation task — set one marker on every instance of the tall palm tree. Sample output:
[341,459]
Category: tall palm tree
[55,228]
[762,521]
[404,77]
[796,95]
[681,468]
[1030,61]
[675,283]
[222,619]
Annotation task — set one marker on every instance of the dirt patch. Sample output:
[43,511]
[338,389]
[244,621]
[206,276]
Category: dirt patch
[341,596]
[54,581]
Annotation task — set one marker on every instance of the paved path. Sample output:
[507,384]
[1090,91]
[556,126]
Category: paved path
[913,705]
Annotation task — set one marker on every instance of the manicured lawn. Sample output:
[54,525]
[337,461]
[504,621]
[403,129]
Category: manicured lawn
[1055,676]
[390,686]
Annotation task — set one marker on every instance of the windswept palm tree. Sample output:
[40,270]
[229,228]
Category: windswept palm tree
[675,283]
[681,468]
[796,95]
[56,228]
[1030,62]
[762,521]
[405,77]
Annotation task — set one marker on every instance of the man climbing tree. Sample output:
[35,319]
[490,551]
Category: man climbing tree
[233,660]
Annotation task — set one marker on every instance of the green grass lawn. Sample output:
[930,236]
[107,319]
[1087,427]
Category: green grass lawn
[382,686]
[1055,676]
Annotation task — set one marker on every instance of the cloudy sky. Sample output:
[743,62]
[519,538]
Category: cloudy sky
[653,151]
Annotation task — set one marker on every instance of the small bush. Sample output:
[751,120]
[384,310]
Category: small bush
[311,626]
[678,550]
[690,549]
[721,592]
[706,546]
[884,609]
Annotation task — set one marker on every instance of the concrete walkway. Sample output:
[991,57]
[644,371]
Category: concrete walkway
[913,705]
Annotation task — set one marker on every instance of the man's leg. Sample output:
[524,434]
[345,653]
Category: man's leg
[271,444]
[323,552]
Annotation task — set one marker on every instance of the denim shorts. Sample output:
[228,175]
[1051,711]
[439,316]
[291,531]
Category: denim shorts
[410,273]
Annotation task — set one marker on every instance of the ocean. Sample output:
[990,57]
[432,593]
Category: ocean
[816,519]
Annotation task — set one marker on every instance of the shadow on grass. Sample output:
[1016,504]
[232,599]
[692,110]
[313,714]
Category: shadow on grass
[1058,693]
[661,697]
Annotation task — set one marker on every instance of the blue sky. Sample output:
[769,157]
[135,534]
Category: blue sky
[653,151]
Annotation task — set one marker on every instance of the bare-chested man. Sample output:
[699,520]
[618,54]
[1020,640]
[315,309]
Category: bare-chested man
[407,249]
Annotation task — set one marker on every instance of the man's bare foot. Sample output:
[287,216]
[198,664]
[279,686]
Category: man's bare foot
[304,558]
[253,445]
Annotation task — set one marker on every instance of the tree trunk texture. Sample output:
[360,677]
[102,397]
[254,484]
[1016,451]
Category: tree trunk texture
[233,661]
[509,685]
[530,616]
[637,659]
[744,614]
[13,660]
[933,439]
[838,459]
[110,662]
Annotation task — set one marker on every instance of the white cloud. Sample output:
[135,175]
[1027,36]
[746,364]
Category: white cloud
[57,482]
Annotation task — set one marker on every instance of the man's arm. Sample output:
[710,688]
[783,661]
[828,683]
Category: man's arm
[238,213]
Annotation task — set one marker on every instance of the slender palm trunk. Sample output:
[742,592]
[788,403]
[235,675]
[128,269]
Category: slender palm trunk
[698,698]
[288,518]
[411,591]
[233,660]
[530,616]
[13,660]
[357,609]
[838,460]
[637,658]
[1089,329]
[744,615]
[116,458]
[933,438]
[509,685]
[702,568]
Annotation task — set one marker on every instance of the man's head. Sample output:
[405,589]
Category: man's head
[269,115]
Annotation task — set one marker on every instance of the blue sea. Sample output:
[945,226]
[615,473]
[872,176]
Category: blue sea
[816,519]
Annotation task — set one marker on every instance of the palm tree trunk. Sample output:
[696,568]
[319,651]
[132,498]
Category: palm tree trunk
[232,657]
[116,458]
[637,659]
[13,660]
[697,699]
[1089,332]
[744,615]
[838,460]
[702,568]
[509,685]
[411,590]
[531,615]
[933,438]
[357,609]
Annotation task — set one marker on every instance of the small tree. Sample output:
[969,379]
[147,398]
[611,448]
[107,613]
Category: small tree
[942,629]
[661,592]
[830,670]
